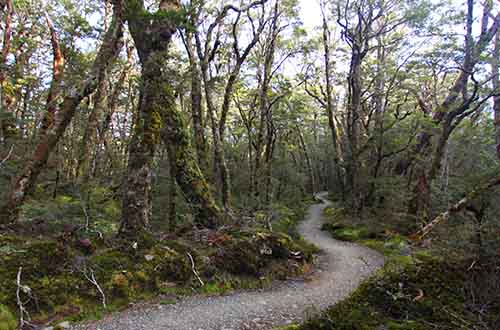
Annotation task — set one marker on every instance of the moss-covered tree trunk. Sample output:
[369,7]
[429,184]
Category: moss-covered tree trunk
[495,67]
[152,34]
[330,102]
[88,147]
[8,128]
[354,108]
[188,175]
[196,105]
[136,203]
[25,181]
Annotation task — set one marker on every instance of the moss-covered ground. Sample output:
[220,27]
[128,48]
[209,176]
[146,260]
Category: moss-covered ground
[418,288]
[64,267]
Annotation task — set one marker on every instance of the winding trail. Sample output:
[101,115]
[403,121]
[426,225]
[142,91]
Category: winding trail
[342,267]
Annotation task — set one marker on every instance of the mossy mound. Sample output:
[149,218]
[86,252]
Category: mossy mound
[7,319]
[251,253]
[43,266]
[416,289]
[60,274]
[350,233]
[424,296]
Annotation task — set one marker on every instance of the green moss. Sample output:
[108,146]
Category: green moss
[172,265]
[54,269]
[415,289]
[217,288]
[120,284]
[7,319]
[414,298]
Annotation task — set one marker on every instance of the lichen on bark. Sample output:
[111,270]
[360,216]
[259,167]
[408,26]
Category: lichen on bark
[158,117]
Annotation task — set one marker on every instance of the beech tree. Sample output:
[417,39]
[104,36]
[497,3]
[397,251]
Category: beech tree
[215,112]
[56,120]
[159,119]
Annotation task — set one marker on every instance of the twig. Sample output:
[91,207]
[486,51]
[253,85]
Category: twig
[83,205]
[194,269]
[7,157]
[472,265]
[93,280]
[20,304]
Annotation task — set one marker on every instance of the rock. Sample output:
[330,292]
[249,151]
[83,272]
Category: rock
[149,257]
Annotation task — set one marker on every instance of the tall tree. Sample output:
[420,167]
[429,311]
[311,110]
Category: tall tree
[207,52]
[25,180]
[159,118]
[460,102]
[495,67]
[7,121]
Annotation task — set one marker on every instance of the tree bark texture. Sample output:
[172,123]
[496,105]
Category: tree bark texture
[24,182]
[159,118]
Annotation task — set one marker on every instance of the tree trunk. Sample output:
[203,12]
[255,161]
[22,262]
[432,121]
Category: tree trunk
[158,118]
[220,165]
[172,189]
[88,147]
[8,128]
[25,181]
[377,154]
[330,104]
[312,182]
[196,106]
[495,67]
[264,132]
[354,108]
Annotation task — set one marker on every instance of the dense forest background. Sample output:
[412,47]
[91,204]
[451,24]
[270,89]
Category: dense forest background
[124,118]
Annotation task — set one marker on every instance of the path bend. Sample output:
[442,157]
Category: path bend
[342,267]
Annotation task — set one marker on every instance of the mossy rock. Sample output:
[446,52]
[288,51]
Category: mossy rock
[251,253]
[7,319]
[240,257]
[389,300]
[120,284]
[172,264]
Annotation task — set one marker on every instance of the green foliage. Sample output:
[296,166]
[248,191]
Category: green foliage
[250,253]
[74,207]
[7,319]
[417,288]
[56,271]
[423,295]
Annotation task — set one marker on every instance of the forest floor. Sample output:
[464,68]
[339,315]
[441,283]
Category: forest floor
[342,267]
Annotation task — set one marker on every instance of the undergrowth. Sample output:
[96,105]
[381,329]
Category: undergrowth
[57,271]
[417,289]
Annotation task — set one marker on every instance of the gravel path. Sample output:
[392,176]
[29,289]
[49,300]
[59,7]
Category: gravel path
[342,267]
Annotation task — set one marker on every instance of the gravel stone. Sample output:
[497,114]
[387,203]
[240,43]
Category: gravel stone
[342,267]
